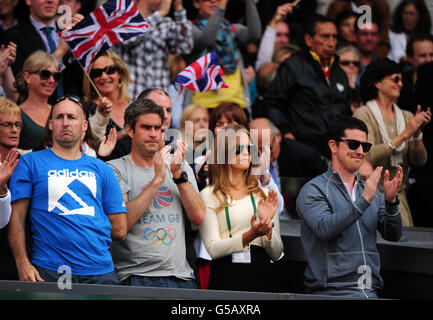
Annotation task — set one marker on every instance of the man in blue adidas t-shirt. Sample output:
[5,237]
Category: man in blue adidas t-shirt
[74,202]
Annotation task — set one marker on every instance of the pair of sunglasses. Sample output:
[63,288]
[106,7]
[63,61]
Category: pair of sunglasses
[347,62]
[240,148]
[396,79]
[46,74]
[354,144]
[75,99]
[96,72]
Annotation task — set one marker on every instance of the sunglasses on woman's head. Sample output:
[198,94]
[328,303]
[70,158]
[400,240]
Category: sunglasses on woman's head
[354,144]
[96,72]
[347,62]
[46,74]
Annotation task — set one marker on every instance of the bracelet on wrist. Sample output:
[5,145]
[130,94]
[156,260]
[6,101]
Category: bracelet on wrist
[419,137]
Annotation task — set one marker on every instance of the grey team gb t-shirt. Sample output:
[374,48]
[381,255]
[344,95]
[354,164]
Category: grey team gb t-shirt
[155,244]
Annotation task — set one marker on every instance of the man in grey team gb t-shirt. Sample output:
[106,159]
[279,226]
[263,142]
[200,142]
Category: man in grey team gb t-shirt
[156,186]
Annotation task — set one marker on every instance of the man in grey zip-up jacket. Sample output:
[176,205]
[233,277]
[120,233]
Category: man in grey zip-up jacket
[340,215]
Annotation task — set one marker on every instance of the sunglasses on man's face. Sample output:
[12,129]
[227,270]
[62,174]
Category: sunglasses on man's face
[347,62]
[354,144]
[46,74]
[96,72]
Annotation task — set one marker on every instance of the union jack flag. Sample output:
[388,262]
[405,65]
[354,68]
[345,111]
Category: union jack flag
[114,21]
[202,75]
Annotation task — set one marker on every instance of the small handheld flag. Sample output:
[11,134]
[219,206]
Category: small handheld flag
[202,75]
[114,21]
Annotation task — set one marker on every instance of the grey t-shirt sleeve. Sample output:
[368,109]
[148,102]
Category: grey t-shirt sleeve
[118,167]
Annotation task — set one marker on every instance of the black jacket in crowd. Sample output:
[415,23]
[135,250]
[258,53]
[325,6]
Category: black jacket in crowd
[28,40]
[303,102]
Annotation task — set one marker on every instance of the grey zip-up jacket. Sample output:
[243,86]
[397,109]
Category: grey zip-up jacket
[339,235]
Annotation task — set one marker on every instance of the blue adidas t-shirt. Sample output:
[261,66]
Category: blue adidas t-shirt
[69,204]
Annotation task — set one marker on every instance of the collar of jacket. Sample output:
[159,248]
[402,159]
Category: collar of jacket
[317,58]
[336,178]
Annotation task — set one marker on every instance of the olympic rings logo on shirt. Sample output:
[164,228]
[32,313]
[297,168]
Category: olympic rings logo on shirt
[160,236]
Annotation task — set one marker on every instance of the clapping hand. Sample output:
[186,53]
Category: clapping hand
[261,227]
[371,184]
[391,188]
[7,56]
[178,158]
[266,208]
[8,165]
[159,162]
[418,121]
[107,144]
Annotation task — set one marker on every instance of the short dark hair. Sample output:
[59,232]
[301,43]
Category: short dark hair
[311,24]
[417,37]
[139,107]
[146,92]
[337,129]
[232,111]
[375,73]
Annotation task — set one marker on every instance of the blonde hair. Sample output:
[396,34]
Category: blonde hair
[220,174]
[38,60]
[186,113]
[89,91]
[9,107]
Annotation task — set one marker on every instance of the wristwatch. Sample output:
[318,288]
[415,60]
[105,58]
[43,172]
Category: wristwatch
[183,178]
[393,204]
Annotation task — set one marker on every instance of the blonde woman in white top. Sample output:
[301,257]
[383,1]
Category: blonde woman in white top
[241,229]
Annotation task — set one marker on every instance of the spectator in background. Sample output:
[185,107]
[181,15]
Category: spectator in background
[194,125]
[7,79]
[38,31]
[409,17]
[211,31]
[156,188]
[7,16]
[277,34]
[147,55]
[367,40]
[46,185]
[345,23]
[340,217]
[396,135]
[267,136]
[35,84]
[350,62]
[309,92]
[10,128]
[419,51]
[235,199]
[110,76]
[380,12]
